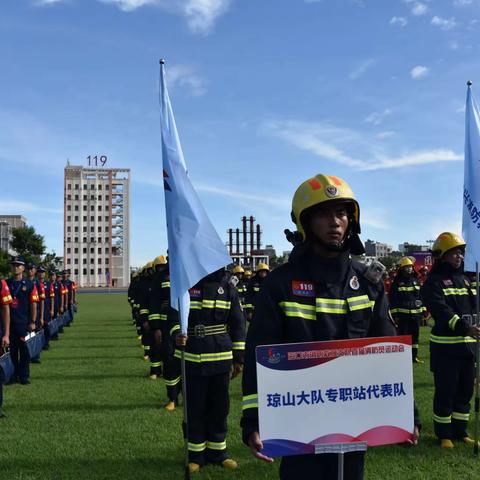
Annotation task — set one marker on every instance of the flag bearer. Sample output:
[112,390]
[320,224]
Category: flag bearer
[320,294]
[406,305]
[447,295]
[23,313]
[5,301]
[216,339]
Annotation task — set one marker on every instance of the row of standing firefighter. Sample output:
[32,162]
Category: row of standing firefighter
[320,294]
[32,303]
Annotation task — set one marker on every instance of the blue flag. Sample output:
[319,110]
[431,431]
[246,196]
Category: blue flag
[471,185]
[194,247]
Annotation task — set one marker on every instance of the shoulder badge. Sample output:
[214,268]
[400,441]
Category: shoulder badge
[354,283]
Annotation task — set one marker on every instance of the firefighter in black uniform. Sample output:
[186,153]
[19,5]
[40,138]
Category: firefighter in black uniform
[156,319]
[142,300]
[171,364]
[216,339]
[242,284]
[320,294]
[253,288]
[447,295]
[406,305]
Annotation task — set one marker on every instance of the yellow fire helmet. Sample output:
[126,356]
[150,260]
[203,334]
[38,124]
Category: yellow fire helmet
[405,262]
[148,265]
[238,269]
[322,189]
[160,260]
[262,266]
[248,273]
[446,241]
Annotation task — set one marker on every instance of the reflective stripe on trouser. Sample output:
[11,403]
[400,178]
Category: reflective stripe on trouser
[453,377]
[410,325]
[207,417]
[172,377]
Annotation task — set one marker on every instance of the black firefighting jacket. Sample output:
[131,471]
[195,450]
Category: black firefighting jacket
[448,296]
[405,297]
[242,291]
[253,289]
[143,289]
[309,299]
[156,298]
[216,329]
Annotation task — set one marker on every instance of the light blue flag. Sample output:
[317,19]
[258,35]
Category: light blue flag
[471,184]
[194,247]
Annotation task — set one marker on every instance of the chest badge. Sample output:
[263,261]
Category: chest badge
[448,283]
[354,283]
[24,288]
[303,289]
[220,291]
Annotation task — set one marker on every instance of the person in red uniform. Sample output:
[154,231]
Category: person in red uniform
[5,301]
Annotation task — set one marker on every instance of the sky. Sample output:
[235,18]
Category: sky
[266,94]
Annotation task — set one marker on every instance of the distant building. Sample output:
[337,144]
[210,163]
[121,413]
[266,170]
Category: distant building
[97,225]
[377,249]
[406,248]
[7,224]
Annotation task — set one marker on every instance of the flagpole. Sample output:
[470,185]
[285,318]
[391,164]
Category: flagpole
[477,367]
[184,394]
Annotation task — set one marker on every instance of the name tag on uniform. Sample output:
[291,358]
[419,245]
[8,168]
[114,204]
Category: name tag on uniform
[303,289]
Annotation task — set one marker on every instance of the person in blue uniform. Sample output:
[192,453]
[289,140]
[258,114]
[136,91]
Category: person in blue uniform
[23,314]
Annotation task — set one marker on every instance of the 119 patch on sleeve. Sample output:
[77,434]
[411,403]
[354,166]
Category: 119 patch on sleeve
[303,289]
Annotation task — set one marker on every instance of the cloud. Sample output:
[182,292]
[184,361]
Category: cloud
[43,3]
[361,69]
[278,202]
[462,3]
[350,148]
[443,23]
[376,118]
[400,21]
[184,76]
[419,9]
[200,15]
[7,206]
[375,218]
[385,135]
[419,72]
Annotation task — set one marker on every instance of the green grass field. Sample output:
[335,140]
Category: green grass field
[92,413]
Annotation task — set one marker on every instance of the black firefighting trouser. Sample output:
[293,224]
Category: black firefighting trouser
[146,334]
[454,382]
[409,324]
[172,376]
[156,350]
[322,466]
[208,404]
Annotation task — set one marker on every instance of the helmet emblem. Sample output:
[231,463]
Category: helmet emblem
[331,191]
